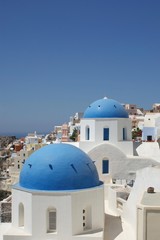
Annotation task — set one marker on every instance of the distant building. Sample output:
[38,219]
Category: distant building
[58,132]
[131,108]
[33,138]
[156,107]
[135,114]
[74,122]
[14,163]
[151,128]
[150,146]
[65,135]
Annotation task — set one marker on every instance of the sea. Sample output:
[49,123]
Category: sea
[19,135]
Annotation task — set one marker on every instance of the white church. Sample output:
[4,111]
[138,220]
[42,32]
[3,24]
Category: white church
[106,137]
[63,189]
[59,196]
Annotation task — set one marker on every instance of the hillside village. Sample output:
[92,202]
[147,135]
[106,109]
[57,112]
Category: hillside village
[118,157]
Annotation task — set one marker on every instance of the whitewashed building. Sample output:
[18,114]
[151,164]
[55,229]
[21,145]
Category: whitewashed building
[150,146]
[151,128]
[59,196]
[106,137]
[141,213]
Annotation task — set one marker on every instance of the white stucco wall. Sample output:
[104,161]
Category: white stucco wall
[69,207]
[124,123]
[85,124]
[62,203]
[93,199]
[26,199]
[120,165]
[149,120]
[148,216]
[115,134]
[148,177]
[149,149]
[96,126]
[151,126]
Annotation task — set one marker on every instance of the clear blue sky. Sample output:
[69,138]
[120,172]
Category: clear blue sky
[58,56]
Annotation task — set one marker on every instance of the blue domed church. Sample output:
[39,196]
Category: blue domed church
[59,196]
[106,137]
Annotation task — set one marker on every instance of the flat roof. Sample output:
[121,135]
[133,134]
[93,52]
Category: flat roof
[151,199]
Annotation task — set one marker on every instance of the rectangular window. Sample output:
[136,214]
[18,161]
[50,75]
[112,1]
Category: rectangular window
[149,138]
[52,221]
[124,134]
[105,166]
[87,133]
[106,134]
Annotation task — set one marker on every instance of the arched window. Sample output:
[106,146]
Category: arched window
[87,133]
[21,215]
[51,220]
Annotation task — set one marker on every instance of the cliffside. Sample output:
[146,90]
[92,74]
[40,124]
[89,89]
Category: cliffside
[6,140]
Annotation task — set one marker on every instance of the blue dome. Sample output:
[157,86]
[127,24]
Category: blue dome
[105,108]
[59,167]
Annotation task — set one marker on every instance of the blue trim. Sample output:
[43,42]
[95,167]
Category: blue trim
[19,187]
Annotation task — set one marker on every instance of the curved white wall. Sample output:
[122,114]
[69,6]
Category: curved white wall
[71,220]
[148,177]
[120,165]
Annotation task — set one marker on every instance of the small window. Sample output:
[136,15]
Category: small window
[21,215]
[18,166]
[124,134]
[149,138]
[105,166]
[106,134]
[51,220]
[87,133]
